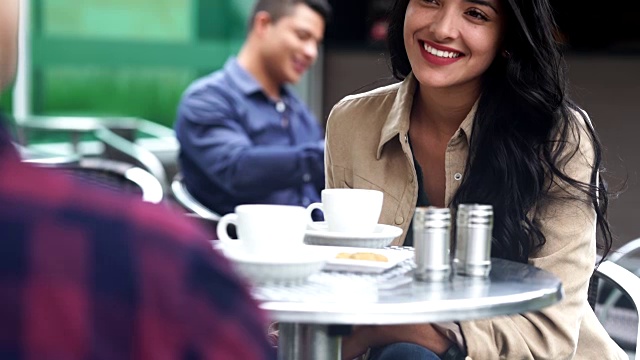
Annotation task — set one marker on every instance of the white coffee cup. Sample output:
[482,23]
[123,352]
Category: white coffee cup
[348,210]
[265,229]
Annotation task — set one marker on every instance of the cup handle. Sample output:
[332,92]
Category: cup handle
[224,222]
[310,209]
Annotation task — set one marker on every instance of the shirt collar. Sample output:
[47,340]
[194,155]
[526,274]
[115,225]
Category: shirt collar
[241,77]
[244,80]
[467,124]
[399,116]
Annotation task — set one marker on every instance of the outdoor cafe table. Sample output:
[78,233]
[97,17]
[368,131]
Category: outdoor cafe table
[313,315]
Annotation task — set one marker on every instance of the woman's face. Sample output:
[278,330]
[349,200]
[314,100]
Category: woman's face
[451,43]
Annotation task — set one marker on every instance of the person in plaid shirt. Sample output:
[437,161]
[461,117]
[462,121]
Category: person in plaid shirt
[91,274]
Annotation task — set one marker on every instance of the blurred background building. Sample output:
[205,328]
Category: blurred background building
[133,58]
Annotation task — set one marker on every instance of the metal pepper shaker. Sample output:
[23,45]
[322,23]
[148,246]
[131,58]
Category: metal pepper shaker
[431,239]
[474,225]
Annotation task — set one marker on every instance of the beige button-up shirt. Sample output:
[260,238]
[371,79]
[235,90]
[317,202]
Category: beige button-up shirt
[367,147]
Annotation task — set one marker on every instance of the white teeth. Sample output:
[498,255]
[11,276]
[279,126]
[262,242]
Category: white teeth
[440,53]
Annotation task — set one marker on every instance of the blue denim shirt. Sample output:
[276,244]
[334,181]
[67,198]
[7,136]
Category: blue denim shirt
[238,146]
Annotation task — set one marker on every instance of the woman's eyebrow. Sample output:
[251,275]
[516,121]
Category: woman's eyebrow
[484,3]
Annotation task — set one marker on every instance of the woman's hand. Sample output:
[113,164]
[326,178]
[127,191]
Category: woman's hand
[364,337]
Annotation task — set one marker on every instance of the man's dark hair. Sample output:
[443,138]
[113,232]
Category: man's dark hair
[279,8]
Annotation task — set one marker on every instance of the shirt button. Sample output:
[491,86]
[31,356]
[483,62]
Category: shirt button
[306,178]
[406,138]
[457,176]
[399,220]
[280,107]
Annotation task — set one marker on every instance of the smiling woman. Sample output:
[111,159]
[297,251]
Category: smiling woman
[481,115]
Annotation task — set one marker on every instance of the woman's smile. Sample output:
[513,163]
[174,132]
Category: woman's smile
[439,33]
[439,55]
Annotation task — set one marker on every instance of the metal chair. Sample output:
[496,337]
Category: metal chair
[125,148]
[117,176]
[619,256]
[629,284]
[118,135]
[188,202]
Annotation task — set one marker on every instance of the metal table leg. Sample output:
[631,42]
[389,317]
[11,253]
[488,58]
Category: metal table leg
[308,342]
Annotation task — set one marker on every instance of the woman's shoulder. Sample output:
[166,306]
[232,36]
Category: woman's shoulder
[576,141]
[580,128]
[377,93]
[372,105]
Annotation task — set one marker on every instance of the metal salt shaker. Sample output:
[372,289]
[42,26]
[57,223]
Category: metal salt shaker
[431,234]
[474,225]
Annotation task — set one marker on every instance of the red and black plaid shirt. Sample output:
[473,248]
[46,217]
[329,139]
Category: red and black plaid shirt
[89,274]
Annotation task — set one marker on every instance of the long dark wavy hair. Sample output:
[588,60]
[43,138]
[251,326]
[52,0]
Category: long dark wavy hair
[519,138]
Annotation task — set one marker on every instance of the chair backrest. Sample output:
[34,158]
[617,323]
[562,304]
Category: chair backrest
[621,323]
[118,176]
[117,134]
[119,147]
[188,202]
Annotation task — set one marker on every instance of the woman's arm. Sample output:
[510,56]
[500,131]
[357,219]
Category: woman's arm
[568,221]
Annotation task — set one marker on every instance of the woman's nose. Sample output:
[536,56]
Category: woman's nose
[444,25]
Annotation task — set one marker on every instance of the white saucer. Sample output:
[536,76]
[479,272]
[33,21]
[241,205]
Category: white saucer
[382,236]
[286,267]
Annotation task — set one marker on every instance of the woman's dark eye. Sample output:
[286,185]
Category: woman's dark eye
[477,15]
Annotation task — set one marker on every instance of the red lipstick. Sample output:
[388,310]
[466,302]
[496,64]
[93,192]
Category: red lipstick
[437,60]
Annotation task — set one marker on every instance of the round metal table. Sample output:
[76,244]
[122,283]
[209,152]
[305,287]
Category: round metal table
[313,315]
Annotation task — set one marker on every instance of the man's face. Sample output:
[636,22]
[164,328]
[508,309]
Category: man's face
[8,40]
[290,45]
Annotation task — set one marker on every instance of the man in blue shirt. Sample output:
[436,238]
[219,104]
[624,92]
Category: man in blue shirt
[244,136]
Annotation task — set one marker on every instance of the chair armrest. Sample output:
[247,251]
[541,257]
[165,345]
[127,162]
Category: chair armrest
[186,200]
[626,282]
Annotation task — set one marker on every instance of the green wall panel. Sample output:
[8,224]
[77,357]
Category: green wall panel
[164,20]
[128,57]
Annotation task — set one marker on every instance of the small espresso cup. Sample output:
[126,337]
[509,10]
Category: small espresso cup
[265,229]
[348,210]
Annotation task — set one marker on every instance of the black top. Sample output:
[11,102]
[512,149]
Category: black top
[423,200]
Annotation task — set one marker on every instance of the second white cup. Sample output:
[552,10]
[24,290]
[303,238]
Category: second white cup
[348,210]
